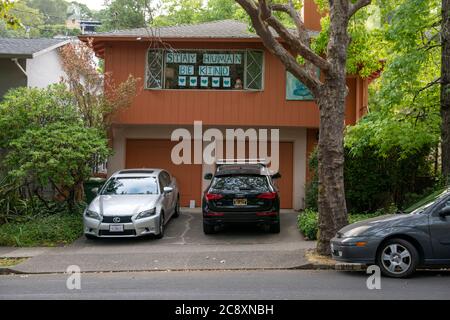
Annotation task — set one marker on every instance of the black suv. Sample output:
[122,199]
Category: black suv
[241,193]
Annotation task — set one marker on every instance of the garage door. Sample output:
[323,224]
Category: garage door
[149,153]
[286,168]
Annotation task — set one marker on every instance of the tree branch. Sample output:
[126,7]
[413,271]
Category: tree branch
[354,7]
[262,29]
[300,47]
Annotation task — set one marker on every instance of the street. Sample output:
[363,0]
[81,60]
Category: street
[275,284]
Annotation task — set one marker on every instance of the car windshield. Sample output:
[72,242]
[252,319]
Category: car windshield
[131,185]
[426,202]
[240,183]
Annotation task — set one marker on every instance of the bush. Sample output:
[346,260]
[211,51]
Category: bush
[52,230]
[47,143]
[308,221]
[373,182]
[308,224]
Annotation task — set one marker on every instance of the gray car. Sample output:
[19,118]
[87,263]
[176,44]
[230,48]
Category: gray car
[133,203]
[400,243]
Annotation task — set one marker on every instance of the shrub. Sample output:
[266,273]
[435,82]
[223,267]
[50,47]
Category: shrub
[47,142]
[373,182]
[308,224]
[52,230]
[308,221]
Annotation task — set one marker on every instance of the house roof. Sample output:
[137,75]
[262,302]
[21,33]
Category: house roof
[230,30]
[27,48]
[214,29]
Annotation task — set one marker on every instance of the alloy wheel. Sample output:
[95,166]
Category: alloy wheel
[396,258]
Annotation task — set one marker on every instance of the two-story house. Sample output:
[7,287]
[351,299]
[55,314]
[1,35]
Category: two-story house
[221,74]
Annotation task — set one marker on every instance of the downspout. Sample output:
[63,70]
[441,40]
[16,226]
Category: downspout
[16,61]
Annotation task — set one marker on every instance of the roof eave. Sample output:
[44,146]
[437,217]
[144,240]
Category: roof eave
[15,56]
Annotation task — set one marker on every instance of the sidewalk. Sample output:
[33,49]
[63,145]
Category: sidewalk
[184,247]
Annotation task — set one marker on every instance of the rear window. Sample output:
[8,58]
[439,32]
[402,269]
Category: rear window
[240,183]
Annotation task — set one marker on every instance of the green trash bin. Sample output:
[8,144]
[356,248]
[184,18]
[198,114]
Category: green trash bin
[91,184]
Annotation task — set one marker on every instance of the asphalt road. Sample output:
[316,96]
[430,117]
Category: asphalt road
[292,284]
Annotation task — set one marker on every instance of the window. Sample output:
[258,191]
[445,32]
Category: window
[135,185]
[240,183]
[165,178]
[205,69]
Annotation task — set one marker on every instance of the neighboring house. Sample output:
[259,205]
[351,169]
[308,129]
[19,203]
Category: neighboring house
[76,19]
[221,74]
[29,63]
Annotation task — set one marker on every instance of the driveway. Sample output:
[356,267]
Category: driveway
[184,247]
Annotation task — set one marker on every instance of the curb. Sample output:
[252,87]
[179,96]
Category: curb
[8,270]
[308,266]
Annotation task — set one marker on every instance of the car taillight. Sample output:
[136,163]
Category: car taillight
[213,196]
[267,195]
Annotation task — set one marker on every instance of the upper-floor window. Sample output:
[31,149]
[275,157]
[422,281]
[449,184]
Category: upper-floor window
[205,69]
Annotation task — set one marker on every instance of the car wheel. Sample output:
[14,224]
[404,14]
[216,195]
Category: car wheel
[90,236]
[397,258]
[208,228]
[275,228]
[176,214]
[161,227]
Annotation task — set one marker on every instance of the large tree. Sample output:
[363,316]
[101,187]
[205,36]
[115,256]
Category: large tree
[126,14]
[329,92]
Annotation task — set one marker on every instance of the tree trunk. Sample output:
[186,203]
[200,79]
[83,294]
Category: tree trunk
[331,101]
[445,90]
[331,201]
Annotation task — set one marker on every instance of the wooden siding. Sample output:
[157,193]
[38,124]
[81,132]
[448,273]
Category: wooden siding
[235,108]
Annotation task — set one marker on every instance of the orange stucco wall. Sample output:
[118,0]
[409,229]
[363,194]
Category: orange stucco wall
[263,108]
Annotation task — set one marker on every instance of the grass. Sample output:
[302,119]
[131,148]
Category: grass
[48,231]
[9,262]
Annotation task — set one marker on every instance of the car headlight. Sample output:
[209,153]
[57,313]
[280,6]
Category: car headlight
[93,215]
[355,232]
[146,213]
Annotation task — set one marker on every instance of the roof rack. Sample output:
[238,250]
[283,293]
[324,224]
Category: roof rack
[260,161]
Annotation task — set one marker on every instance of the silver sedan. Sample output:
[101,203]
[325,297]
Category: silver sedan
[132,203]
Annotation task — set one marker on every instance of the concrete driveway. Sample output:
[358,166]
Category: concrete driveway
[184,247]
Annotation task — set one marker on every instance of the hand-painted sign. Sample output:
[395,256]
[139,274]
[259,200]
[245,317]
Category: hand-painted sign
[185,70]
[222,58]
[181,57]
[214,70]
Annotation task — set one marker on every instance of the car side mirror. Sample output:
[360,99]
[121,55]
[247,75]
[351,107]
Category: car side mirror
[168,189]
[276,176]
[444,212]
[208,176]
[94,191]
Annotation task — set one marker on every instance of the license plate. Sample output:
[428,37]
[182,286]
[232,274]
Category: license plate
[116,228]
[240,202]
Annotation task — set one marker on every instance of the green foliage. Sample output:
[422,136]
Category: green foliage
[54,11]
[195,11]
[59,153]
[374,182]
[52,230]
[312,187]
[363,58]
[6,16]
[31,108]
[46,140]
[125,14]
[308,221]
